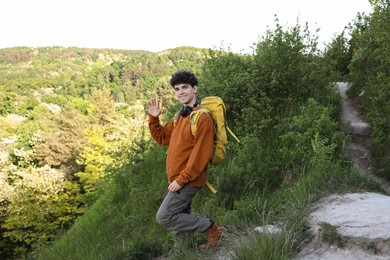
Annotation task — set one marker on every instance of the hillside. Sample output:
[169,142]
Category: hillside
[81,178]
[67,114]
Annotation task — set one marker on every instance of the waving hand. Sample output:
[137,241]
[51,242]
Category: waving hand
[155,107]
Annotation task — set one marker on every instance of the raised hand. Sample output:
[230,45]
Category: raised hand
[155,107]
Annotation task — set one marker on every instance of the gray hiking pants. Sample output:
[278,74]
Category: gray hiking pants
[174,212]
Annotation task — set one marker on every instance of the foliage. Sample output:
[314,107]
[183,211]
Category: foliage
[274,82]
[287,102]
[370,76]
[59,146]
[281,158]
[119,210]
[80,139]
[313,121]
[82,105]
[228,75]
[50,96]
[129,75]
[95,158]
[286,67]
[42,203]
[338,55]
[109,148]
[7,101]
[9,124]
[102,107]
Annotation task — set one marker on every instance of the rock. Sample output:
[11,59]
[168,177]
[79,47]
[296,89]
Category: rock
[360,128]
[361,219]
[269,229]
[351,116]
[357,215]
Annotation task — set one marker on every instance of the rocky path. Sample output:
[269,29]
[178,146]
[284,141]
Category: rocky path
[352,123]
[358,148]
[362,221]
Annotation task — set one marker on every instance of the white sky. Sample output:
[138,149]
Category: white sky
[157,25]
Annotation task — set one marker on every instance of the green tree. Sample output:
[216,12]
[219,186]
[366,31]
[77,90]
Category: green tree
[338,55]
[7,102]
[103,107]
[95,157]
[165,91]
[283,73]
[109,148]
[230,76]
[287,67]
[43,203]
[84,106]
[60,146]
[37,121]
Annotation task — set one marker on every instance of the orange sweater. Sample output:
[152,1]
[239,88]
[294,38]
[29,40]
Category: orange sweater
[188,155]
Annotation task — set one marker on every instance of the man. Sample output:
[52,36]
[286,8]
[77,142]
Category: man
[187,159]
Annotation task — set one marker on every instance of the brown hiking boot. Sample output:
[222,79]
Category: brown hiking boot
[214,236]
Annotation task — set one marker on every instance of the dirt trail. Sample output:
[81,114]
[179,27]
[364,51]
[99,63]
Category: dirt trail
[358,148]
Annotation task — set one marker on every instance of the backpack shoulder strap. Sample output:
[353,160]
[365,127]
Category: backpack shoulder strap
[195,116]
[232,134]
[176,118]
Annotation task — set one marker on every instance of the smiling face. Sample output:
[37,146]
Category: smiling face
[186,94]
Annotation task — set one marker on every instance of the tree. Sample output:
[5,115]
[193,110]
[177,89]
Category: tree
[60,147]
[230,76]
[110,148]
[95,157]
[103,107]
[7,102]
[338,55]
[42,203]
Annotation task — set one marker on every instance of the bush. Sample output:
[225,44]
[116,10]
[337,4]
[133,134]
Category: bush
[370,75]
[313,121]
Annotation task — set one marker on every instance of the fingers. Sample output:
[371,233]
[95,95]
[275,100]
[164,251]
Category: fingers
[173,186]
[155,106]
[156,102]
[152,103]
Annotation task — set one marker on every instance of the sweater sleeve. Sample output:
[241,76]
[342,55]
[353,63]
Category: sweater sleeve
[161,134]
[202,152]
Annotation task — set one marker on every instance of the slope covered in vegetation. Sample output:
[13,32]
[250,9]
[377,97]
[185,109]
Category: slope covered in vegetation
[70,117]
[82,122]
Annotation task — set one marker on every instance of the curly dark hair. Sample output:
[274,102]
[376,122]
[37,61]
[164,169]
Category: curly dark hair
[183,77]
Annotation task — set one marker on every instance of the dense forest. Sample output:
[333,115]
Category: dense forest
[80,177]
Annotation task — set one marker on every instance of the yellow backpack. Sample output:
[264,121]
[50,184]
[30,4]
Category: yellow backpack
[215,107]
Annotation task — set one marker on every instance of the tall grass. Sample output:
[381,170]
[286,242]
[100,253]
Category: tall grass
[121,223]
[286,208]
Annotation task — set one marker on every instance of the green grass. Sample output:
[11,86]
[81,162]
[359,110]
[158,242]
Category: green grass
[330,234]
[122,225]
